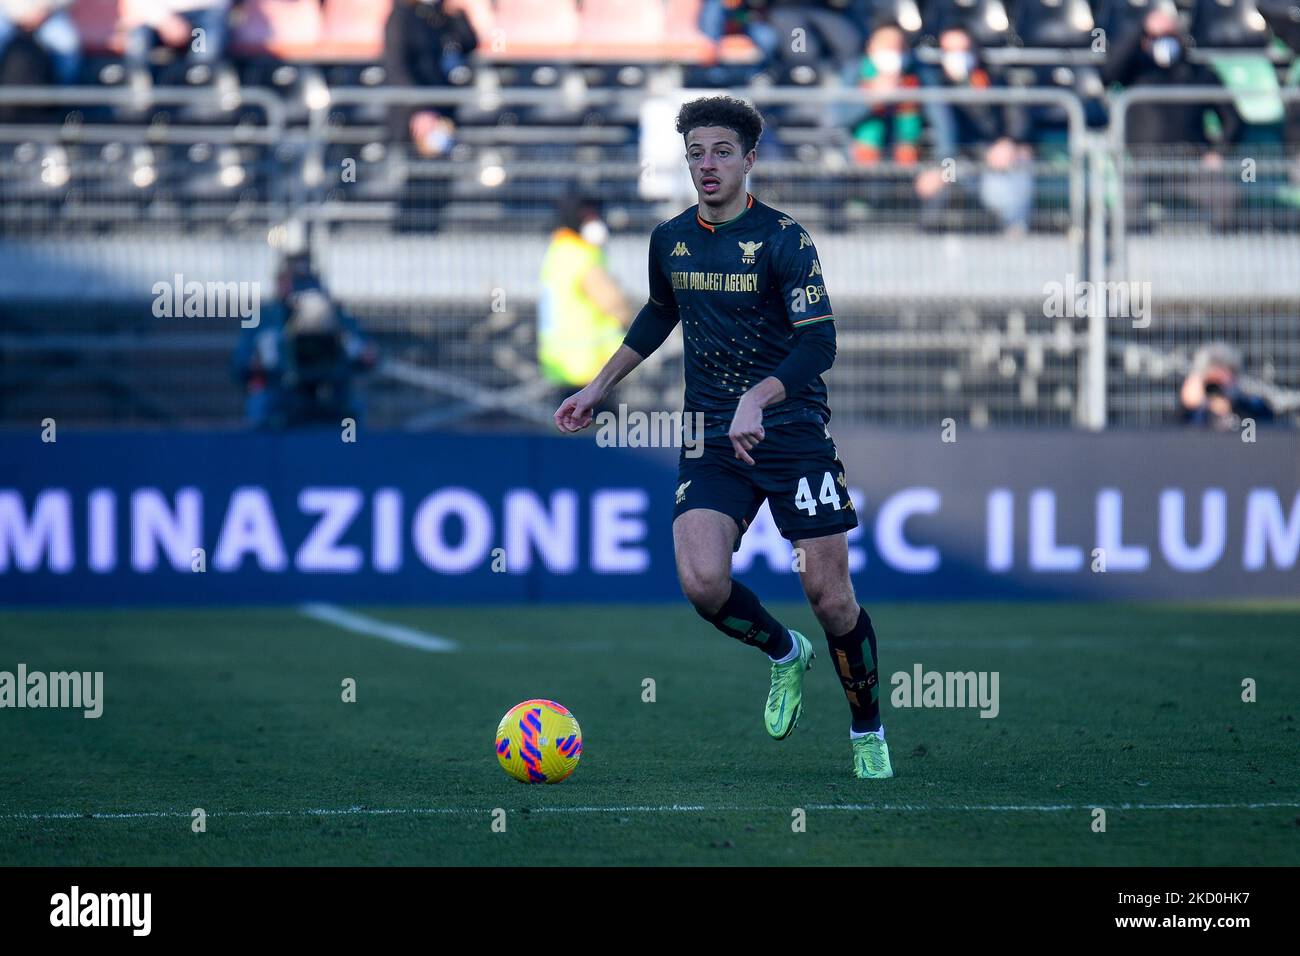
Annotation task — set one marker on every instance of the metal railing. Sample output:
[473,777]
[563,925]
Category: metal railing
[439,258]
[1212,237]
[862,219]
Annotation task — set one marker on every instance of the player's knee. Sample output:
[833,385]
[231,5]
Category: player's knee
[835,608]
[707,589]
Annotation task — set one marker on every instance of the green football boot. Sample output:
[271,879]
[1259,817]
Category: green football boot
[871,758]
[785,700]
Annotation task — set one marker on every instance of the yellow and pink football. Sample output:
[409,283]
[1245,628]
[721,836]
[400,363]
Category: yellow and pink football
[538,741]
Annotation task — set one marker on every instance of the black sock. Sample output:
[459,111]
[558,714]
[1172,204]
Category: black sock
[854,655]
[743,617]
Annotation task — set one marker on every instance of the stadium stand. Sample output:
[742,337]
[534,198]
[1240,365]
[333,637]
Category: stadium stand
[102,194]
[353,29]
[98,24]
[286,29]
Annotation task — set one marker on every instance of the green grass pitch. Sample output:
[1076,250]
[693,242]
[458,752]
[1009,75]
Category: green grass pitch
[1132,708]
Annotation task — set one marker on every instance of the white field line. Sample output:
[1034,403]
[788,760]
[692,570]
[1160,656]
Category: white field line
[396,633]
[1010,642]
[670,808]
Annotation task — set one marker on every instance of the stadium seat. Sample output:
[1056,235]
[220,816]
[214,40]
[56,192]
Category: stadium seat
[1054,23]
[287,29]
[622,29]
[910,15]
[1229,23]
[97,22]
[482,18]
[682,18]
[353,29]
[686,42]
[536,29]
[987,20]
[1117,17]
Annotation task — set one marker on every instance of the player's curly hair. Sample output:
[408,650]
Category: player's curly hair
[725,111]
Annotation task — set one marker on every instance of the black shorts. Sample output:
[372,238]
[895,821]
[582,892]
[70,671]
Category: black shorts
[795,469]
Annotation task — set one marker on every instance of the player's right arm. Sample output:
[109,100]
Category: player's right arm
[649,329]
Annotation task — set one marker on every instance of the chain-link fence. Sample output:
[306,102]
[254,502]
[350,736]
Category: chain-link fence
[104,195]
[964,287]
[1207,240]
[940,321]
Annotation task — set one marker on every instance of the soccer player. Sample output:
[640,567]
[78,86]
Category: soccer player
[744,281]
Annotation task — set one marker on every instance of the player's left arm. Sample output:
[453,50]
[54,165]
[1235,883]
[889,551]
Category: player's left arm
[797,272]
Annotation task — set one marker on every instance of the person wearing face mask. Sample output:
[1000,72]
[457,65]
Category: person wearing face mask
[424,41]
[887,128]
[1156,55]
[986,138]
[583,312]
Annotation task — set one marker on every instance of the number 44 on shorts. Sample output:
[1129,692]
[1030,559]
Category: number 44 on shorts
[803,498]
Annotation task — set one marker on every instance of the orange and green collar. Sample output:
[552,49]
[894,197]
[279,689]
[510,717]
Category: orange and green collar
[715,226]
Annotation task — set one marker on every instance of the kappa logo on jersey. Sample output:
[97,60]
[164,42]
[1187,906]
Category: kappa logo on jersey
[681,491]
[785,221]
[680,250]
[804,241]
[816,268]
[747,251]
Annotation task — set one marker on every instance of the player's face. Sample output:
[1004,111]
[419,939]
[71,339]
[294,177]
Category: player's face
[718,167]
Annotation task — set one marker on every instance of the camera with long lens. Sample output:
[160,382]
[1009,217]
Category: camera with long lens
[317,367]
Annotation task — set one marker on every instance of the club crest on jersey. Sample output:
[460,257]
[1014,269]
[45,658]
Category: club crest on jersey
[747,251]
[680,250]
[681,491]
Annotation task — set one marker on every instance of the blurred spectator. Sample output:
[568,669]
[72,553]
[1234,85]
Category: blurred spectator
[49,25]
[893,128]
[25,64]
[985,143]
[196,26]
[583,313]
[298,364]
[424,42]
[1155,55]
[1283,18]
[718,18]
[1211,395]
[829,31]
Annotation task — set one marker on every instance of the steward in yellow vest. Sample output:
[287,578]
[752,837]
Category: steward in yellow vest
[582,314]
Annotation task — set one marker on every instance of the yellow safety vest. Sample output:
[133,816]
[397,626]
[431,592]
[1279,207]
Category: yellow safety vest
[574,337]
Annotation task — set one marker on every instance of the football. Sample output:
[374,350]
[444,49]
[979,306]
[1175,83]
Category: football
[539,741]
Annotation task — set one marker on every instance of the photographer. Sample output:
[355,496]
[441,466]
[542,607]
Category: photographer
[298,366]
[322,350]
[1211,396]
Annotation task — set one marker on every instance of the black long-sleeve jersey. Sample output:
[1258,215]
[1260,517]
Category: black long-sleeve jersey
[746,293]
